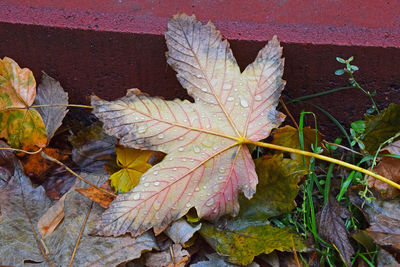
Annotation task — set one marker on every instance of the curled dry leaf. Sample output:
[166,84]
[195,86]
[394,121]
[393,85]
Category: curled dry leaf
[207,165]
[19,124]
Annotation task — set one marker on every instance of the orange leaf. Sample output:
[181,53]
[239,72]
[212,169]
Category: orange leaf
[95,195]
[208,164]
[35,166]
[22,128]
[17,86]
[20,125]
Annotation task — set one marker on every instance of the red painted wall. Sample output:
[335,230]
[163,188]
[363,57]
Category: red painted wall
[357,22]
[106,46]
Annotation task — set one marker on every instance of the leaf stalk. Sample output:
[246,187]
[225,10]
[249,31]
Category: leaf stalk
[325,158]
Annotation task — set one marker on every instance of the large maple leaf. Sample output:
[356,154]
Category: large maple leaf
[208,163]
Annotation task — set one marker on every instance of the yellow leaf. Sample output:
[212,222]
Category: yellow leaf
[133,163]
[17,86]
[22,128]
[19,124]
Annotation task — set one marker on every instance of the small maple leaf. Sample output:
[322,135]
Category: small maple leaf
[133,164]
[208,163]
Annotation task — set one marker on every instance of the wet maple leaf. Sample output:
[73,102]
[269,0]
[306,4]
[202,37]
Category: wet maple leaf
[208,163]
[20,125]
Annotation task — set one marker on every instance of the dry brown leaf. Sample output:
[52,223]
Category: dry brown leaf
[163,258]
[330,225]
[52,218]
[100,197]
[49,221]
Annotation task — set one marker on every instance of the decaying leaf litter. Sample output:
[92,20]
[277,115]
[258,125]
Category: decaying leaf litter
[207,166]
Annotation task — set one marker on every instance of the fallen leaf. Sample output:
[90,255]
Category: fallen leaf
[18,86]
[388,167]
[181,263]
[98,196]
[240,245]
[58,182]
[19,124]
[214,260]
[277,188]
[289,137]
[384,220]
[385,231]
[385,259]
[22,128]
[21,207]
[207,165]
[330,226]
[249,234]
[38,168]
[17,199]
[92,148]
[50,92]
[381,127]
[52,218]
[181,232]
[163,258]
[7,160]
[133,163]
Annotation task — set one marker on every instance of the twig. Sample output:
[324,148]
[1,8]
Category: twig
[288,112]
[77,175]
[20,150]
[80,235]
[345,148]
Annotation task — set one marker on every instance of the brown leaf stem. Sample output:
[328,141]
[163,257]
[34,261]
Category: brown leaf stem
[21,150]
[288,112]
[80,235]
[77,175]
